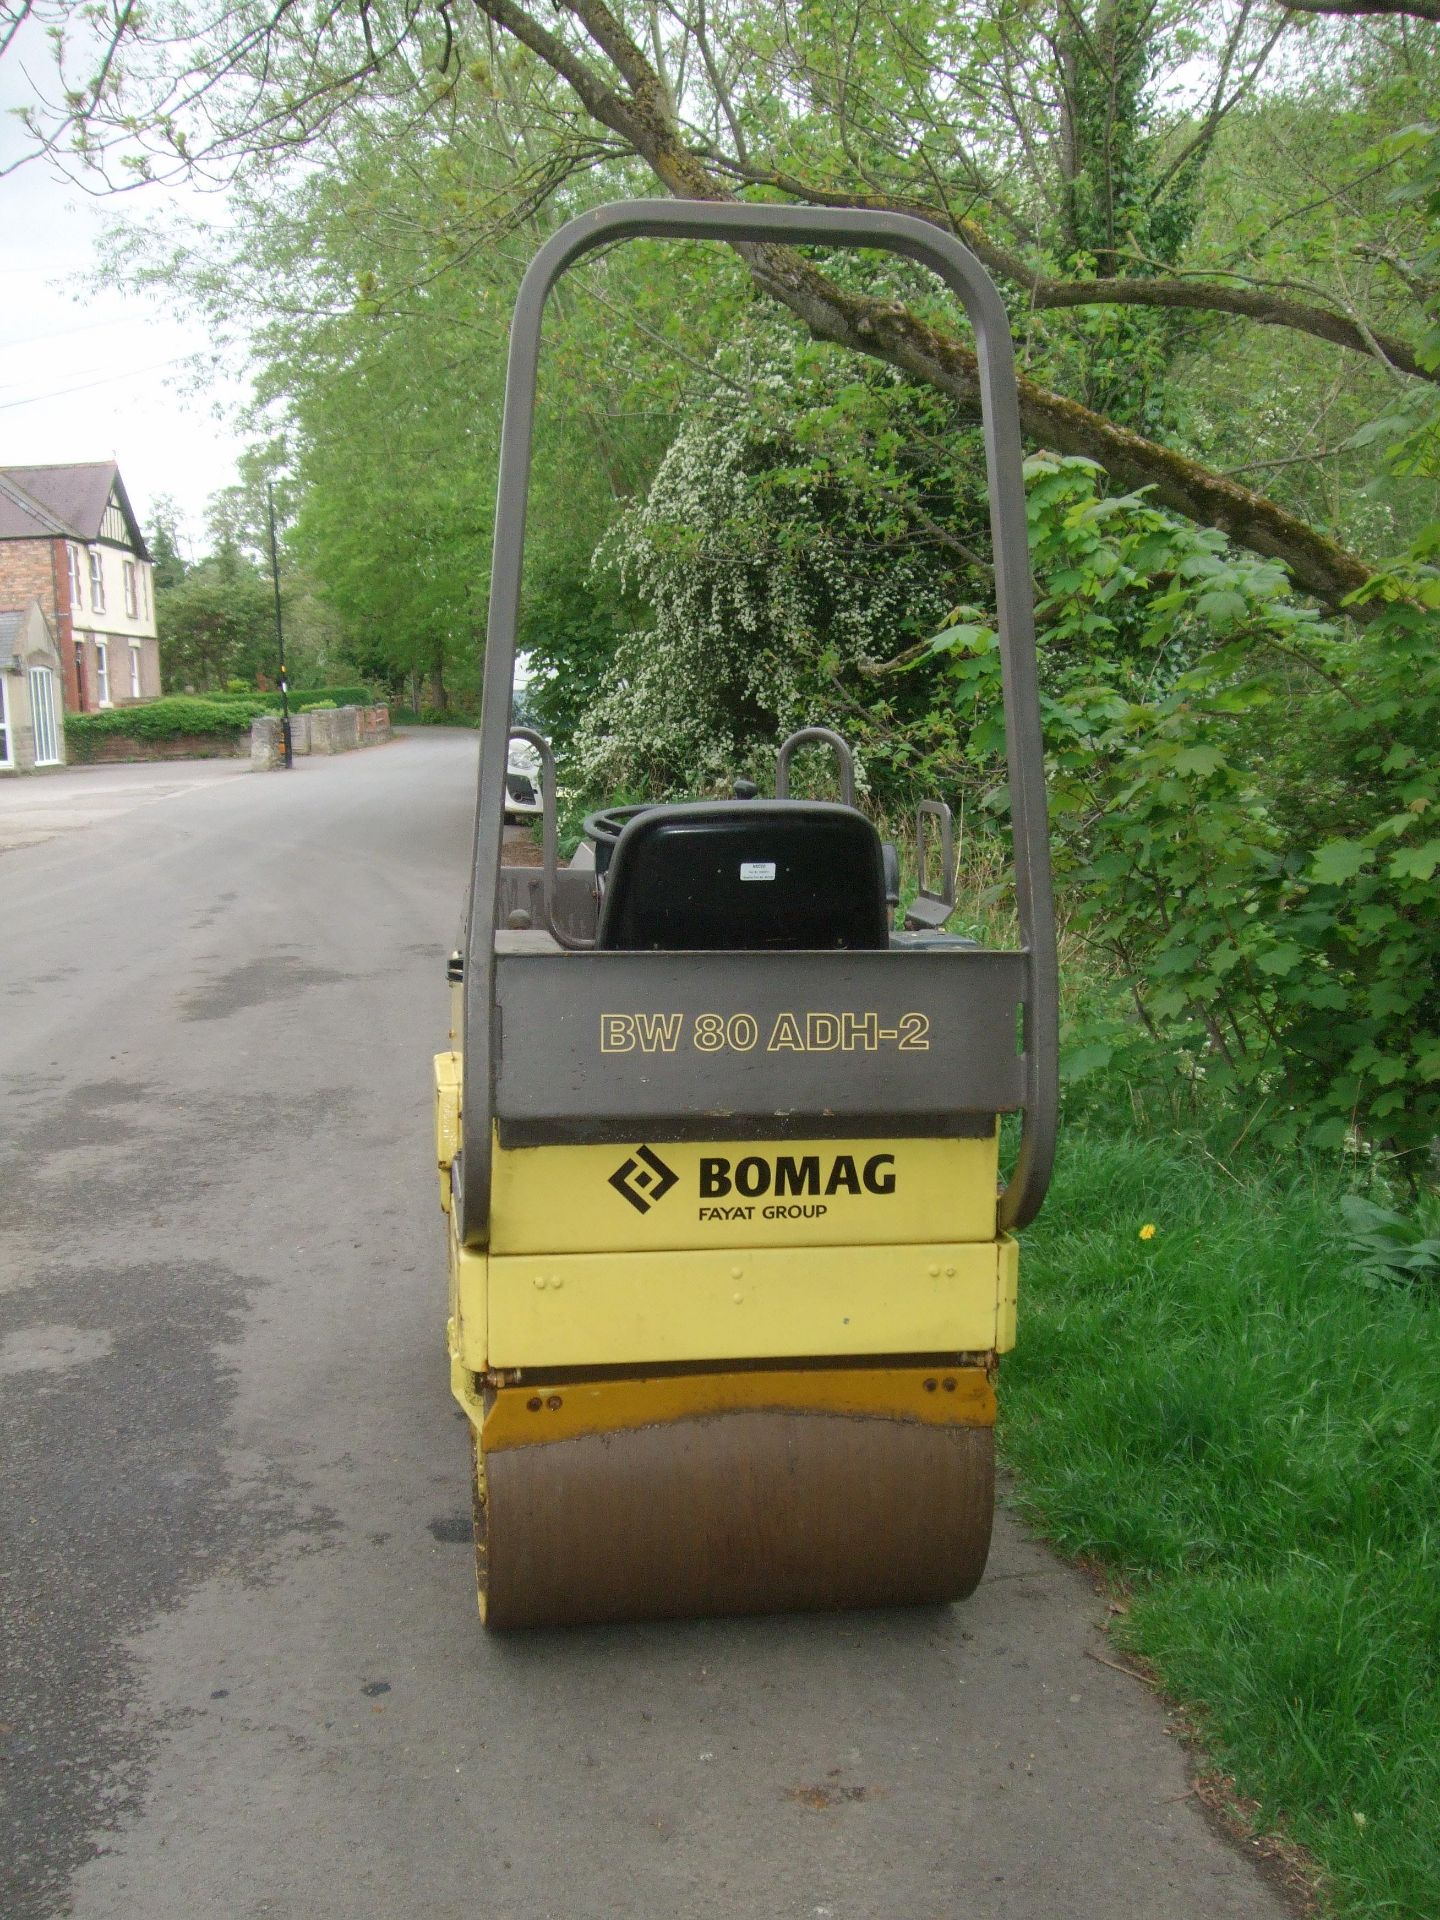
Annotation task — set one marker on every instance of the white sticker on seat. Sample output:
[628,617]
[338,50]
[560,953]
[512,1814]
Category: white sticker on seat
[757,869]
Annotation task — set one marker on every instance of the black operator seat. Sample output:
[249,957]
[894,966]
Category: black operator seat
[742,875]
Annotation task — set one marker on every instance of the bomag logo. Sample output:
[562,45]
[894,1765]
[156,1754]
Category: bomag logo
[797,1185]
[754,1175]
[643,1179]
[796,1180]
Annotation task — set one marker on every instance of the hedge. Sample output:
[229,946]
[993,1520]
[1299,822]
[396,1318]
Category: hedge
[302,699]
[183,714]
[165,719]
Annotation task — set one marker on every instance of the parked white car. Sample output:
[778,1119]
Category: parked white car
[524,798]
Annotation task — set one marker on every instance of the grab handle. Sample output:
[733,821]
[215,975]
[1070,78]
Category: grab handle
[822,737]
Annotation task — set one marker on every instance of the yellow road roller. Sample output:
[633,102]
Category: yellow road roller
[718,1133]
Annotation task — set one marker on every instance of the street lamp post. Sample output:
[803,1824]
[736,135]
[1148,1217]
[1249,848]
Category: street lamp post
[279,629]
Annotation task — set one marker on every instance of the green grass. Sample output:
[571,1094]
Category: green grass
[1233,1420]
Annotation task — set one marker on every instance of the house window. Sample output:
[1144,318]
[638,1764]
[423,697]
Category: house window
[5,757]
[132,596]
[97,580]
[102,671]
[72,557]
[134,671]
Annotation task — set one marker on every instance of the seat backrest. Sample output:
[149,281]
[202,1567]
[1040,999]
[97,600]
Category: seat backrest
[743,875]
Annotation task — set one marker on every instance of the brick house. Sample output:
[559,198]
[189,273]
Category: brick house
[70,540]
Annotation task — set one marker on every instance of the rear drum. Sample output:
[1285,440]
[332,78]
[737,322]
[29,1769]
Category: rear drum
[749,1510]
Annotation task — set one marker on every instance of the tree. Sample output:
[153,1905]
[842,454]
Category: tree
[216,624]
[162,538]
[1034,118]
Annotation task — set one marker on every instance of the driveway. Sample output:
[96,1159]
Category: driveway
[242,1669]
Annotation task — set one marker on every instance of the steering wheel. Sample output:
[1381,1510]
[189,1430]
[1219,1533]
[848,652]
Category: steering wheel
[606,827]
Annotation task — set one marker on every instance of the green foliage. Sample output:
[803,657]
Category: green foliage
[301,698]
[175,717]
[163,540]
[1244,797]
[1248,1434]
[1388,1246]
[1245,802]
[216,623]
[780,557]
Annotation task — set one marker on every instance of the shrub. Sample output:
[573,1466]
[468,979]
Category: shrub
[1244,801]
[174,717]
[301,698]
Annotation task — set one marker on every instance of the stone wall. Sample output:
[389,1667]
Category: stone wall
[330,730]
[112,747]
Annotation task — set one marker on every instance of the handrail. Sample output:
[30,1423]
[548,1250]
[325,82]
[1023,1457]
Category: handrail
[962,273]
[816,736]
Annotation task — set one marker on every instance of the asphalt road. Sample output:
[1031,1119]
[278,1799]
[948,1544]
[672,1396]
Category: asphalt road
[242,1673]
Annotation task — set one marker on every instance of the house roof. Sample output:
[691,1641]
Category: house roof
[63,499]
[23,517]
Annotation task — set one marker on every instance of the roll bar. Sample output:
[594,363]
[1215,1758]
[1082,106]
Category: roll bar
[967,280]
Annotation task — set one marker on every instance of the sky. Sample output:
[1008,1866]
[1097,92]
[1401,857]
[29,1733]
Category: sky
[89,372]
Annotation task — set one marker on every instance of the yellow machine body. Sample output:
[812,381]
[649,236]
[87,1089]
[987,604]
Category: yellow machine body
[820,1317]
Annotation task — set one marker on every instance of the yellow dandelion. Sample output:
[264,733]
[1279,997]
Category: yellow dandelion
[1147,1232]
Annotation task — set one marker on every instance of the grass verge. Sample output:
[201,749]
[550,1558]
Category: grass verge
[1229,1417]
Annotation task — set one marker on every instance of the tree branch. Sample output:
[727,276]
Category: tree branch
[1356,9]
[1269,308]
[886,330]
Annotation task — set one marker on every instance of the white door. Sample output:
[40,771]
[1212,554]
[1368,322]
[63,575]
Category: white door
[42,712]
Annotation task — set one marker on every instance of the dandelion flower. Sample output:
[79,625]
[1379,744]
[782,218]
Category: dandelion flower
[1147,1232]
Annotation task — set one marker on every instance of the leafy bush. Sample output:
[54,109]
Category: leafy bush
[1244,797]
[1245,801]
[174,717]
[1387,1245]
[303,697]
[300,697]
